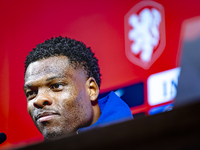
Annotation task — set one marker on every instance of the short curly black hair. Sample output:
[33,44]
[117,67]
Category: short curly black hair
[76,51]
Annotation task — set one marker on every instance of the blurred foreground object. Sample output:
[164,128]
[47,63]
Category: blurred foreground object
[3,137]
[176,129]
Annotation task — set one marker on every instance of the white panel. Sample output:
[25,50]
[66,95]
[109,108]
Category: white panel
[162,86]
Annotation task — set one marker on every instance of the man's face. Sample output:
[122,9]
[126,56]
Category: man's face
[57,96]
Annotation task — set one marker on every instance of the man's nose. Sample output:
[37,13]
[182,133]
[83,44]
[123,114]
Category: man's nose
[42,100]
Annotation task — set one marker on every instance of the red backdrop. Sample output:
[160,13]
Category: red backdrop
[99,24]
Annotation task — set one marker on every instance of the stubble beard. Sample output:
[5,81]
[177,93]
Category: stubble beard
[51,135]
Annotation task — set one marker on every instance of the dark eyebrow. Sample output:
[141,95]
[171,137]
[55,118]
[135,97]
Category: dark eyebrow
[48,79]
[27,86]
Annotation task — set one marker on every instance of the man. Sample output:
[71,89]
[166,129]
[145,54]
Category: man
[62,81]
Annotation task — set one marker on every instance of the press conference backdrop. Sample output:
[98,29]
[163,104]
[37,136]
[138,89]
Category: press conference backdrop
[138,44]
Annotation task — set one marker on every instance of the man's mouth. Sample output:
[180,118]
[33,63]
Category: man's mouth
[45,116]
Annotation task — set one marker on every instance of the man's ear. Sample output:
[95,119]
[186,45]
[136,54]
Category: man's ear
[93,89]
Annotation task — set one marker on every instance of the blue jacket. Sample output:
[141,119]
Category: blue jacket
[113,110]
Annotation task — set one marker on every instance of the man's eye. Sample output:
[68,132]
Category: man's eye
[30,94]
[57,86]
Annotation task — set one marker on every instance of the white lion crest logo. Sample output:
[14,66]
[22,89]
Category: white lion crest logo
[145,32]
